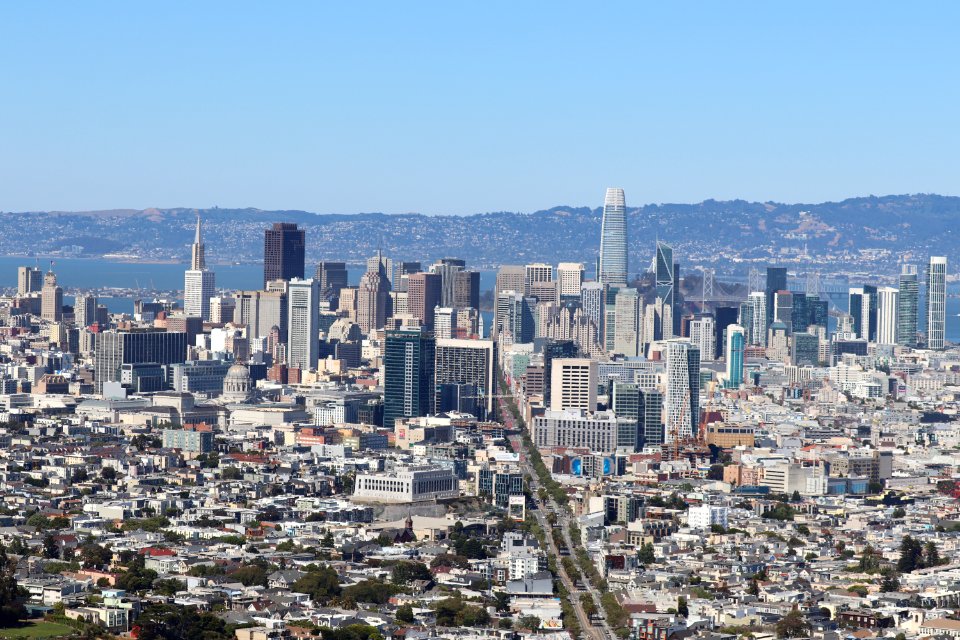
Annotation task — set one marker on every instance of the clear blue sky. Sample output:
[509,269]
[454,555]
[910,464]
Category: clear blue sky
[458,107]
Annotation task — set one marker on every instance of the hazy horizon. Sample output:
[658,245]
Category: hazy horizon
[470,213]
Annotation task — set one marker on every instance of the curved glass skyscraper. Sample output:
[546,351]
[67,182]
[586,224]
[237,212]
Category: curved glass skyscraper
[613,240]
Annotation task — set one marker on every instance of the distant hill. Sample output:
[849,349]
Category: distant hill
[862,233]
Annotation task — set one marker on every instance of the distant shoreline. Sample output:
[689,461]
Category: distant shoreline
[47,258]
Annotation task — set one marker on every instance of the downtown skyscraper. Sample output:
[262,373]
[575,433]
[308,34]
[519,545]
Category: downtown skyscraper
[776,281]
[682,398]
[409,364]
[284,252]
[303,322]
[666,273]
[199,283]
[613,240]
[936,301]
[907,306]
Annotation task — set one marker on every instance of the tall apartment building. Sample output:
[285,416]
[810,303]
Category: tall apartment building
[29,280]
[776,281]
[470,362]
[408,375]
[511,278]
[936,302]
[888,301]
[573,384]
[85,310]
[703,334]
[908,306]
[51,298]
[260,311]
[628,310]
[284,252]
[447,269]
[466,290]
[682,393]
[332,277]
[570,279]
[139,346]
[303,319]
[733,353]
[424,292]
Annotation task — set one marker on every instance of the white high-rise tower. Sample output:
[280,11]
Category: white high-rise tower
[936,302]
[199,283]
[613,240]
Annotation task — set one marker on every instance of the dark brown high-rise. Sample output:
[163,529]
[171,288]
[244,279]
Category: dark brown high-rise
[284,248]
[423,295]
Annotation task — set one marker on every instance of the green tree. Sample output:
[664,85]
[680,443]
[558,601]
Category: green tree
[890,582]
[11,597]
[911,555]
[530,623]
[370,591]
[136,577]
[18,547]
[108,473]
[646,554]
[792,625]
[252,574]
[405,614]
[781,511]
[94,556]
[405,572]
[50,548]
[168,586]
[231,473]
[859,589]
[450,560]
[321,583]
[169,622]
[931,555]
[869,560]
[682,608]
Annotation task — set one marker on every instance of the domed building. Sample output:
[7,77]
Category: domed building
[237,387]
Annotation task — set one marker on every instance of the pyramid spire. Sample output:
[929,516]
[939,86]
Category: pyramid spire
[197,259]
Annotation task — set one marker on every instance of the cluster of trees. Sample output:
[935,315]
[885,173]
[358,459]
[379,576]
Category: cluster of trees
[11,595]
[914,555]
[782,511]
[136,577]
[454,612]
[169,622]
[152,524]
[369,591]
[793,625]
[405,572]
[321,582]
[469,547]
[672,502]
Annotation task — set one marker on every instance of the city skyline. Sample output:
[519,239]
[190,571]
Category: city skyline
[733,419]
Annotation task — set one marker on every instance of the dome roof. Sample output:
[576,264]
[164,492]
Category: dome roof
[237,384]
[238,369]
